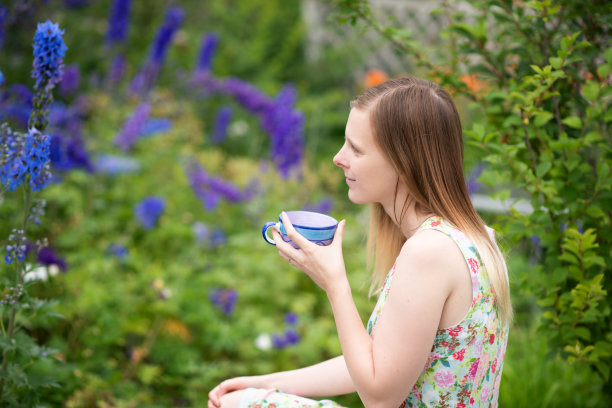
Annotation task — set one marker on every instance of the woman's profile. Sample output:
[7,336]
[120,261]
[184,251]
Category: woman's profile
[438,333]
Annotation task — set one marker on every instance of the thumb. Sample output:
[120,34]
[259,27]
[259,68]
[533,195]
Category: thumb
[339,234]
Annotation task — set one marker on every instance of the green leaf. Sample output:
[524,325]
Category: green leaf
[583,333]
[573,122]
[590,90]
[541,118]
[556,62]
[608,56]
[543,168]
[592,138]
[603,70]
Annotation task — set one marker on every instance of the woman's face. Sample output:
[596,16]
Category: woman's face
[369,175]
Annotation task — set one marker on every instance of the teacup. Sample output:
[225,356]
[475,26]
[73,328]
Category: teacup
[316,227]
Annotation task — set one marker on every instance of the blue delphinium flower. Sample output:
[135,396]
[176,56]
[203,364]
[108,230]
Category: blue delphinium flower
[118,21]
[208,48]
[224,116]
[224,300]
[36,154]
[156,125]
[149,210]
[132,128]
[1,78]
[49,52]
[111,164]
[16,249]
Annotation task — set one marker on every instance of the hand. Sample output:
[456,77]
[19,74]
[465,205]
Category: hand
[227,386]
[323,264]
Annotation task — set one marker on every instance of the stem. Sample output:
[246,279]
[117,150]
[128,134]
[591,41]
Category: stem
[27,198]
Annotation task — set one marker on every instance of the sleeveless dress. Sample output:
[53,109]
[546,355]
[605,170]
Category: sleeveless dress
[464,367]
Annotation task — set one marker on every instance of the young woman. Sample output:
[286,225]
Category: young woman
[437,336]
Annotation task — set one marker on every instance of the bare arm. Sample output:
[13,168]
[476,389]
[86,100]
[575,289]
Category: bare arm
[385,367]
[324,379]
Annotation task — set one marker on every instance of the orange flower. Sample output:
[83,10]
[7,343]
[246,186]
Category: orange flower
[374,77]
[472,82]
[177,328]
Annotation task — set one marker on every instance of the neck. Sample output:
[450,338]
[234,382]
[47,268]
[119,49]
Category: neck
[411,220]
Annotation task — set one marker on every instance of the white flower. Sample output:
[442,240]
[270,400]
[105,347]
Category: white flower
[41,273]
[263,341]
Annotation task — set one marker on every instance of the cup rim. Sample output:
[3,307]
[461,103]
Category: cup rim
[312,228]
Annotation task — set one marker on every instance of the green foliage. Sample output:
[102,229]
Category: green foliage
[538,76]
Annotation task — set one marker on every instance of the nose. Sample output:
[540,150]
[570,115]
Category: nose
[340,160]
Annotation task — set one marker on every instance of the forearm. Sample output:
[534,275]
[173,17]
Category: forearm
[356,346]
[325,379]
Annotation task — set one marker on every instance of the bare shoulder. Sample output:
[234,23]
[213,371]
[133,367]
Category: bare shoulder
[432,253]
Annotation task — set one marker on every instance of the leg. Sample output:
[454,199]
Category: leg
[232,399]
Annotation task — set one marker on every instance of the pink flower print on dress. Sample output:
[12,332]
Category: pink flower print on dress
[459,355]
[484,395]
[435,223]
[455,331]
[474,369]
[494,365]
[444,378]
[473,265]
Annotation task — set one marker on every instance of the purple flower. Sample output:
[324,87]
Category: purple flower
[110,164]
[1,78]
[224,300]
[132,128]
[211,189]
[224,116]
[324,206]
[71,80]
[172,21]
[286,129]
[201,232]
[472,183]
[291,336]
[248,96]
[149,210]
[118,21]
[207,51]
[217,238]
[117,69]
[278,341]
[49,52]
[291,319]
[118,250]
[4,13]
[47,256]
[156,125]
[144,80]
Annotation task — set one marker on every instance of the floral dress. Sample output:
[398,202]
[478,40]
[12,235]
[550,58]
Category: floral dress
[465,363]
[464,367]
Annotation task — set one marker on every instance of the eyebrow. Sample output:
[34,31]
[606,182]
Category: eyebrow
[351,141]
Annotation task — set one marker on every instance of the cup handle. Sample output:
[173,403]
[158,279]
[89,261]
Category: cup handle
[264,231]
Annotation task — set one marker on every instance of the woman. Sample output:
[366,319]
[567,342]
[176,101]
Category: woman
[438,333]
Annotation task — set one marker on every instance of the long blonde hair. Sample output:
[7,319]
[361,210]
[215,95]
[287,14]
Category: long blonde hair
[417,126]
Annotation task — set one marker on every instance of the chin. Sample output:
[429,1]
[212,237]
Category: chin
[355,199]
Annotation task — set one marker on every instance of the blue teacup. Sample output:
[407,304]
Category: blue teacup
[315,227]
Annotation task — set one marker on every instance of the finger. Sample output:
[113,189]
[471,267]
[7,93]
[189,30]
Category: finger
[339,234]
[295,236]
[285,250]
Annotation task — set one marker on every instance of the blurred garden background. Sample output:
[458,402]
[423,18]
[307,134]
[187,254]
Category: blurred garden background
[134,273]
